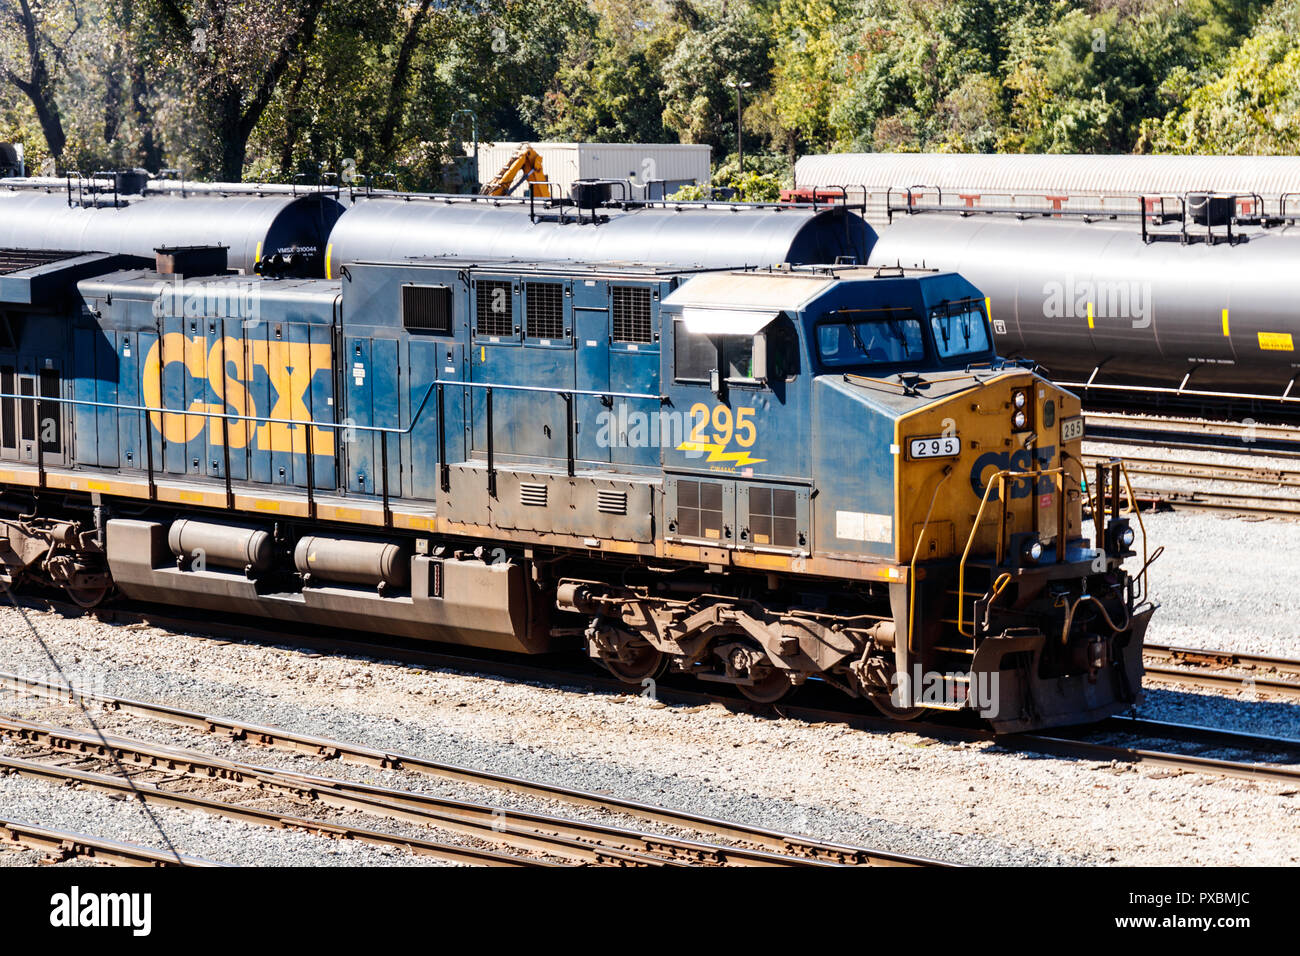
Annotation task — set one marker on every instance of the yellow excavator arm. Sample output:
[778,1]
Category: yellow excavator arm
[524,166]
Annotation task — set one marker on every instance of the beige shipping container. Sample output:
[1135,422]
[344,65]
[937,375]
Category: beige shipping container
[650,167]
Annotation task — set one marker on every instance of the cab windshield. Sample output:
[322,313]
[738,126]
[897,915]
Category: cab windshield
[885,337]
[959,329]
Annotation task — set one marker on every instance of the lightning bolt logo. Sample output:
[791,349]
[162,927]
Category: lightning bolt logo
[718,453]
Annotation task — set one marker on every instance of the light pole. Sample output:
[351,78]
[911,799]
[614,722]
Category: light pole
[739,85]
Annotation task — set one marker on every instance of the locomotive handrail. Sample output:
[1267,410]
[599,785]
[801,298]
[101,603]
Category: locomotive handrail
[1058,474]
[594,393]
[233,417]
[225,418]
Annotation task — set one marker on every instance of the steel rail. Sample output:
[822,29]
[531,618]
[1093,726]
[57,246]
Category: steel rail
[1265,440]
[151,794]
[1235,502]
[1208,737]
[785,843]
[1205,657]
[577,840]
[1196,425]
[61,845]
[1215,498]
[1219,681]
[1206,471]
[1088,750]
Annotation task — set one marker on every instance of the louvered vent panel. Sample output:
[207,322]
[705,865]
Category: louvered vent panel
[532,493]
[611,502]
[426,309]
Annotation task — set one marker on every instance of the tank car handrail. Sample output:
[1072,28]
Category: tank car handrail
[555,199]
[1170,390]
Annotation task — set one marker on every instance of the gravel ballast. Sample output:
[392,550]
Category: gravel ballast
[969,803]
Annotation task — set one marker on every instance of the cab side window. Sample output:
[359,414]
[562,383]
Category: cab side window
[694,356]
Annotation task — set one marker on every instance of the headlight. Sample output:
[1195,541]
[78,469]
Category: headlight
[1019,420]
[1019,399]
[1126,537]
[1034,550]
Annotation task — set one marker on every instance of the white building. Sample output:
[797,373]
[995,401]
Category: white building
[653,169]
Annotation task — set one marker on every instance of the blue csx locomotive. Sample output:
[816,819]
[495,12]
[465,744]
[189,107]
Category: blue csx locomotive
[753,476]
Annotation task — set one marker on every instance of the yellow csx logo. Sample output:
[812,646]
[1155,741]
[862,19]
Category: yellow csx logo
[290,367]
[725,428]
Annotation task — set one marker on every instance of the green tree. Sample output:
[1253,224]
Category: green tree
[607,89]
[1252,107]
[731,46]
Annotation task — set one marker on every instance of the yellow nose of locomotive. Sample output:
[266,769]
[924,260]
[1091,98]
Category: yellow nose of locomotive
[987,467]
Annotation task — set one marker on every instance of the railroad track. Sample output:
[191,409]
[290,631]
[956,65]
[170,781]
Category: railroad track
[571,839]
[58,846]
[1074,743]
[1070,742]
[1282,441]
[158,794]
[1067,742]
[1210,668]
[1206,471]
[1214,497]
[1263,506]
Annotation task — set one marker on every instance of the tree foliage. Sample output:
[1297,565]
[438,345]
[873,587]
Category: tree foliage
[294,89]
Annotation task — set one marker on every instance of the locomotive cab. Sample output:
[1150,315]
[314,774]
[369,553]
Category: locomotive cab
[887,446]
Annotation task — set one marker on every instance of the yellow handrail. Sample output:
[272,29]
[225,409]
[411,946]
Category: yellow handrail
[1001,478]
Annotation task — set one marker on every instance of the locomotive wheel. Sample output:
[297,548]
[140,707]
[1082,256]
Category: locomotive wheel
[87,597]
[885,704]
[769,688]
[647,662]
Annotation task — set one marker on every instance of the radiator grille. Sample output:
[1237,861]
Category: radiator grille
[772,517]
[532,493]
[611,502]
[494,308]
[16,260]
[426,308]
[632,314]
[699,509]
[544,308]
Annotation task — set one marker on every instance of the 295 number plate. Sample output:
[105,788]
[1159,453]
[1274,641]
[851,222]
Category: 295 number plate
[1071,429]
[941,447]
